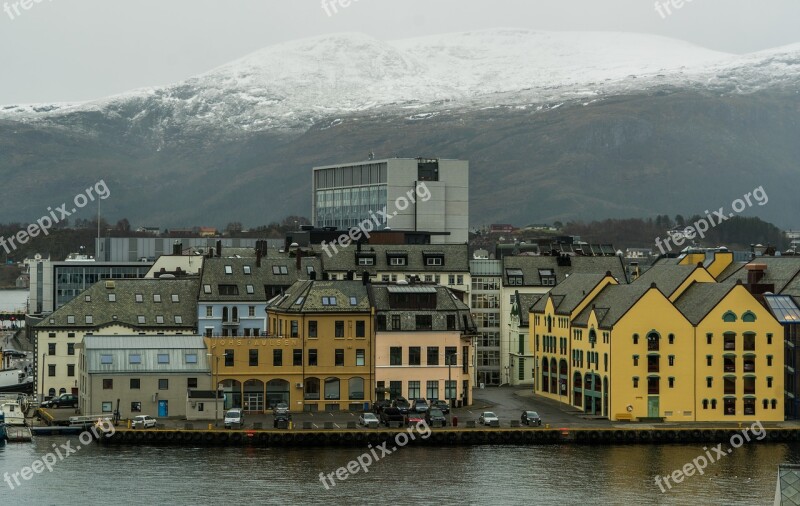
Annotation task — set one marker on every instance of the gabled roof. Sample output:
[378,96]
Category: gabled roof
[612,303]
[730,270]
[126,310]
[569,294]
[530,267]
[700,298]
[525,301]
[274,271]
[446,303]
[308,297]
[666,277]
[456,258]
[780,272]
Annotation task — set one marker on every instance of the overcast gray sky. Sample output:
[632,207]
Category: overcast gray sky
[71,50]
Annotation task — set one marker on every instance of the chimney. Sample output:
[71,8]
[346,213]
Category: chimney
[177,248]
[287,241]
[219,248]
[325,276]
[365,278]
[210,253]
[350,275]
[755,272]
[358,246]
[298,255]
[258,257]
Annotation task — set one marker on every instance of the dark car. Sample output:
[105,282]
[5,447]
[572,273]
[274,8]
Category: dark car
[402,405]
[435,418]
[389,415]
[379,406]
[281,421]
[420,406]
[62,401]
[530,418]
[441,404]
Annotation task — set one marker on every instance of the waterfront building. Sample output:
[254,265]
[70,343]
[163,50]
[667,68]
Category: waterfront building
[537,275]
[136,249]
[521,360]
[424,343]
[143,375]
[151,307]
[318,355]
[486,278]
[419,194]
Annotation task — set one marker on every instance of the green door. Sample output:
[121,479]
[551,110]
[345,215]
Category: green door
[652,407]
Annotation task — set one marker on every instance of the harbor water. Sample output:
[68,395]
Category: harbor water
[487,475]
[13,300]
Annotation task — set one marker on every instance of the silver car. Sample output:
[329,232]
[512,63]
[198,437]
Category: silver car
[234,417]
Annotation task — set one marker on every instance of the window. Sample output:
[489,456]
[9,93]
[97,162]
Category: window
[246,269]
[360,357]
[381,322]
[769,381]
[424,322]
[397,261]
[361,328]
[709,359]
[89,318]
[156,297]
[277,358]
[434,261]
[209,311]
[112,297]
[339,328]
[88,298]
[163,384]
[451,322]
[729,383]
[460,279]
[206,289]
[671,382]
[414,355]
[51,349]
[228,289]
[141,319]
[432,389]
[730,406]
[228,269]
[51,370]
[450,355]
[163,358]
[366,261]
[250,289]
[191,382]
[433,355]
[175,298]
[749,341]
[228,358]
[108,384]
[106,406]
[414,390]
[159,318]
[769,360]
[297,357]
[135,358]
[70,318]
[135,384]
[106,359]
[312,357]
[450,389]
[251,311]
[709,336]
[280,269]
[671,359]
[178,319]
[635,360]
[253,358]
[671,339]
[329,301]
[71,370]
[395,355]
[709,381]
[294,329]
[339,357]
[191,358]
[395,322]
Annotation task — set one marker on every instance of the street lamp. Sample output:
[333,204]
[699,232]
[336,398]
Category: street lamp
[44,366]
[448,387]
[216,389]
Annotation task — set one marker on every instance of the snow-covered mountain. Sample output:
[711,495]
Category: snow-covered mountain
[292,86]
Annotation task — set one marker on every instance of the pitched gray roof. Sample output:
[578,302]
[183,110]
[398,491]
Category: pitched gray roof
[307,297]
[525,301]
[456,258]
[666,277]
[530,265]
[278,271]
[780,272]
[126,310]
[730,270]
[612,303]
[700,298]
[569,294]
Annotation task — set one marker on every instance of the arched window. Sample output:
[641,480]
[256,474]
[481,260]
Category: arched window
[653,341]
[312,388]
[713,404]
[235,313]
[774,403]
[224,313]
[748,316]
[729,316]
[332,388]
[766,403]
[705,403]
[355,388]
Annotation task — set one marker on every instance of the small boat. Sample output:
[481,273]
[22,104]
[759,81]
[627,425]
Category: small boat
[13,413]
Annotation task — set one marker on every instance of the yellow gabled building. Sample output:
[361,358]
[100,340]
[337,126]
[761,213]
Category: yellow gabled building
[739,354]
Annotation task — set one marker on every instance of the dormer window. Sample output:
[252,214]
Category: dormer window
[366,260]
[397,258]
[547,277]
[280,269]
[433,258]
[228,269]
[515,277]
[246,269]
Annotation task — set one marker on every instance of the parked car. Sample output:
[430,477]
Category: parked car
[62,401]
[281,409]
[441,404]
[530,418]
[414,418]
[368,420]
[234,417]
[435,416]
[487,417]
[402,405]
[389,415]
[420,405]
[281,421]
[379,406]
[143,422]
